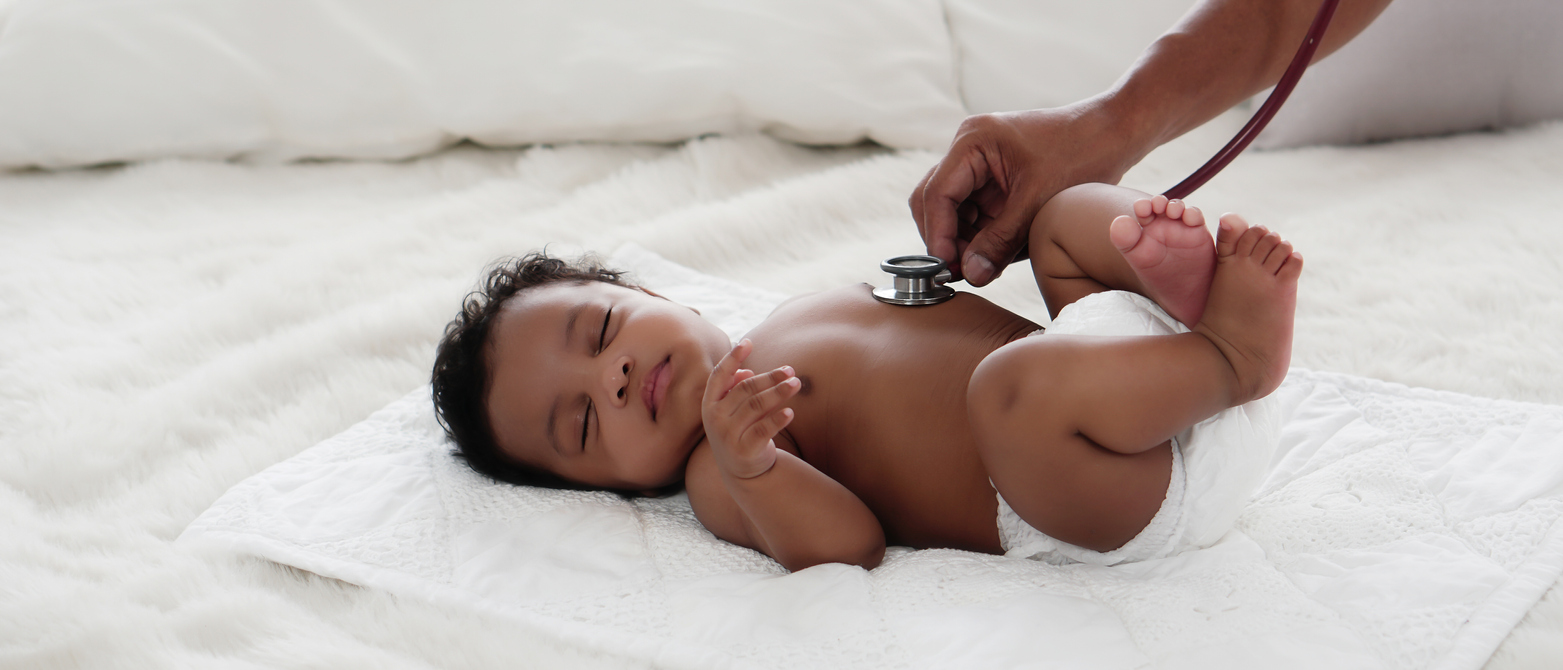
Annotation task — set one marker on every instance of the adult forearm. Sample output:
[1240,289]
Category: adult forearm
[1220,53]
[802,518]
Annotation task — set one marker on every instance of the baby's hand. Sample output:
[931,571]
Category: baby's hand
[743,412]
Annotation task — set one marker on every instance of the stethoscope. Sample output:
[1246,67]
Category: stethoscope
[920,280]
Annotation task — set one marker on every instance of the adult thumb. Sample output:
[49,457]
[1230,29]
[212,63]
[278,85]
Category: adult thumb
[993,248]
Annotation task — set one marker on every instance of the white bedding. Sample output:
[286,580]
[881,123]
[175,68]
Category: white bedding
[1400,529]
[169,329]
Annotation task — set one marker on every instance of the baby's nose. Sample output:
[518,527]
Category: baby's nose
[618,380]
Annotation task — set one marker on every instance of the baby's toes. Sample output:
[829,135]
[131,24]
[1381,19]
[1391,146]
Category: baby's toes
[1125,233]
[1265,245]
[1159,204]
[1193,217]
[1278,255]
[1143,210]
[1250,239]
[1174,209]
[1232,229]
[1292,268]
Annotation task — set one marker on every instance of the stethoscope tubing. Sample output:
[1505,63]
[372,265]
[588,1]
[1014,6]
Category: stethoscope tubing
[1272,104]
[1261,118]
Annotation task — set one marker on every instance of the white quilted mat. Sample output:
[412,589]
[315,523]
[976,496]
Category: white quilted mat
[1400,528]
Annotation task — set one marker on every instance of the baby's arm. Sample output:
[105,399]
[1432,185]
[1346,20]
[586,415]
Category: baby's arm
[1099,237]
[748,492]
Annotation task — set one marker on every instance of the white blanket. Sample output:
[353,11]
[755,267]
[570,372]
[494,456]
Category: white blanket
[1400,529]
[168,330]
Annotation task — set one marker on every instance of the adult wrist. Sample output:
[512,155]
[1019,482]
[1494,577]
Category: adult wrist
[1134,128]
[1105,136]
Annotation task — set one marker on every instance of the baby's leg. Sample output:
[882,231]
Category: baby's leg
[1074,430]
[1097,237]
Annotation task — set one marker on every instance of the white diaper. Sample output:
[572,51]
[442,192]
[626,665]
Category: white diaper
[1217,464]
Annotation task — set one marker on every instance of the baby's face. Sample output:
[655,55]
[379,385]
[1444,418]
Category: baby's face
[600,384]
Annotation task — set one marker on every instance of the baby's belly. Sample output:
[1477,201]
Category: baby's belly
[921,475]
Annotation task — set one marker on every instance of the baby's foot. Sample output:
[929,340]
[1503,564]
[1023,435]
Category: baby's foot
[1167,245]
[1253,300]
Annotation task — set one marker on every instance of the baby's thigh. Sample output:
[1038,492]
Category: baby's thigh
[1060,482]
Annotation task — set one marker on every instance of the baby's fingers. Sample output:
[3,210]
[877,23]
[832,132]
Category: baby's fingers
[767,427]
[722,377]
[761,395]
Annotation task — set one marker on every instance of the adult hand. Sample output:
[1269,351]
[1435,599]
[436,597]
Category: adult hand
[974,209]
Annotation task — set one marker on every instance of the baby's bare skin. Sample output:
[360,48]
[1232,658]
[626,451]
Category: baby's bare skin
[843,424]
[1167,245]
[1073,431]
[883,405]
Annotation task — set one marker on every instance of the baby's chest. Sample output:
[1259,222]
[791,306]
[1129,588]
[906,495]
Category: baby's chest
[872,396]
[880,426]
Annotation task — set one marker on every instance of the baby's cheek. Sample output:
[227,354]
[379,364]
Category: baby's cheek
[662,466]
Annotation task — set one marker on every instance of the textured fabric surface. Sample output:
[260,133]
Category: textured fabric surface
[1372,542]
[170,329]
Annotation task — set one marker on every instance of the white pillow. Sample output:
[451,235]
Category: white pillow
[1031,54]
[1429,67]
[90,81]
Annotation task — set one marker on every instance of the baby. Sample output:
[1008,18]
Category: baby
[841,424]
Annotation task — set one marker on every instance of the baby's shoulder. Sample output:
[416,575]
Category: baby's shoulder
[839,300]
[810,328]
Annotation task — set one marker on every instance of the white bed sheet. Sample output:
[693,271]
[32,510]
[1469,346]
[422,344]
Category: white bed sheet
[1401,528]
[169,329]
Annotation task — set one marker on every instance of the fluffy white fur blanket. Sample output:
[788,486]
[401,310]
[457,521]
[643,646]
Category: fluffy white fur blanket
[169,329]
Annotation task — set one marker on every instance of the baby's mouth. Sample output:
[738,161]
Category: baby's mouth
[654,389]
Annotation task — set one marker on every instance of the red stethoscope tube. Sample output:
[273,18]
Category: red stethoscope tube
[1283,88]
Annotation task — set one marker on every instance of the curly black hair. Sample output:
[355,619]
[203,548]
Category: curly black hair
[461,376]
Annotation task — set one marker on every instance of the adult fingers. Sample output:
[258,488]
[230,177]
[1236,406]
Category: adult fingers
[949,185]
[916,201]
[994,246]
[953,180]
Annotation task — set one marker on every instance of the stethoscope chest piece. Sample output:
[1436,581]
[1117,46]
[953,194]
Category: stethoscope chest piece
[919,280]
